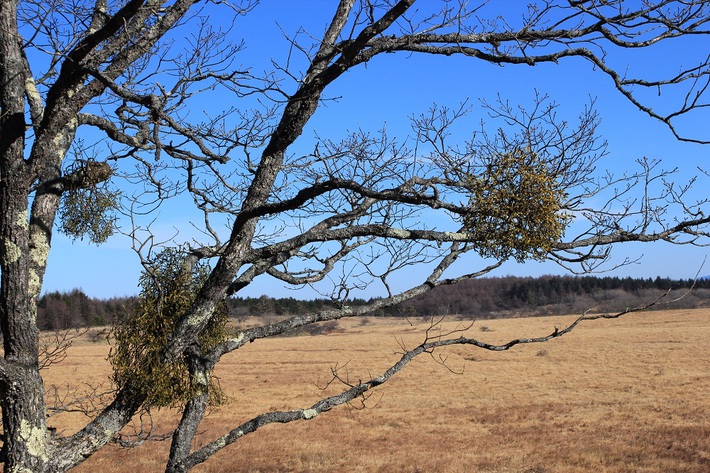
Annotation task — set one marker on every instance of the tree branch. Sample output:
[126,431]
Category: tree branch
[355,391]
[298,321]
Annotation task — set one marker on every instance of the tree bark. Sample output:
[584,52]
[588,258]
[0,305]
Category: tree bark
[25,446]
[191,417]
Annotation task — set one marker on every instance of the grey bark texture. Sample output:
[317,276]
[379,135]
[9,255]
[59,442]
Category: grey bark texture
[357,202]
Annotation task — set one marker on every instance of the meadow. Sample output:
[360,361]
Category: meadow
[625,395]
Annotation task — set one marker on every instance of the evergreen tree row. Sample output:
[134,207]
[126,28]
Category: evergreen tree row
[479,298]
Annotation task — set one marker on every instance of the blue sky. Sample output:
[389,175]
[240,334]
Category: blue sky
[395,86]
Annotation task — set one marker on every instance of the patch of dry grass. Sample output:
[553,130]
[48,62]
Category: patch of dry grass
[612,396]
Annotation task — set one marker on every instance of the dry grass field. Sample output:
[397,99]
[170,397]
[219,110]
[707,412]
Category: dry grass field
[627,395]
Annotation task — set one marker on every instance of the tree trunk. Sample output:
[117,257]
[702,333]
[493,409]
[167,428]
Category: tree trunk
[191,417]
[23,413]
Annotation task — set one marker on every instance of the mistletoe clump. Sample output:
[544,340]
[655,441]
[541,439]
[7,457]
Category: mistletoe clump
[516,207]
[88,206]
[168,289]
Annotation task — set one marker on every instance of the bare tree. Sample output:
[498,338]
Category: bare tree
[93,93]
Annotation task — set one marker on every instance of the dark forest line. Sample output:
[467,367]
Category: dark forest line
[483,298]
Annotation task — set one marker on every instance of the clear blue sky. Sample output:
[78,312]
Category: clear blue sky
[395,86]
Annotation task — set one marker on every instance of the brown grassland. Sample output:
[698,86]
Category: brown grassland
[626,395]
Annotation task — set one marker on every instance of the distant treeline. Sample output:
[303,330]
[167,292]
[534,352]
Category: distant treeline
[478,298]
[64,310]
[552,295]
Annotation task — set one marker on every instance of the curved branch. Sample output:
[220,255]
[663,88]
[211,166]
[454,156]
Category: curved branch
[403,194]
[685,227]
[358,390]
[112,131]
[298,321]
[73,450]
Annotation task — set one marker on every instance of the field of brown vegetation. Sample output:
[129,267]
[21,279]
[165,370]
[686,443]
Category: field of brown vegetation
[627,395]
